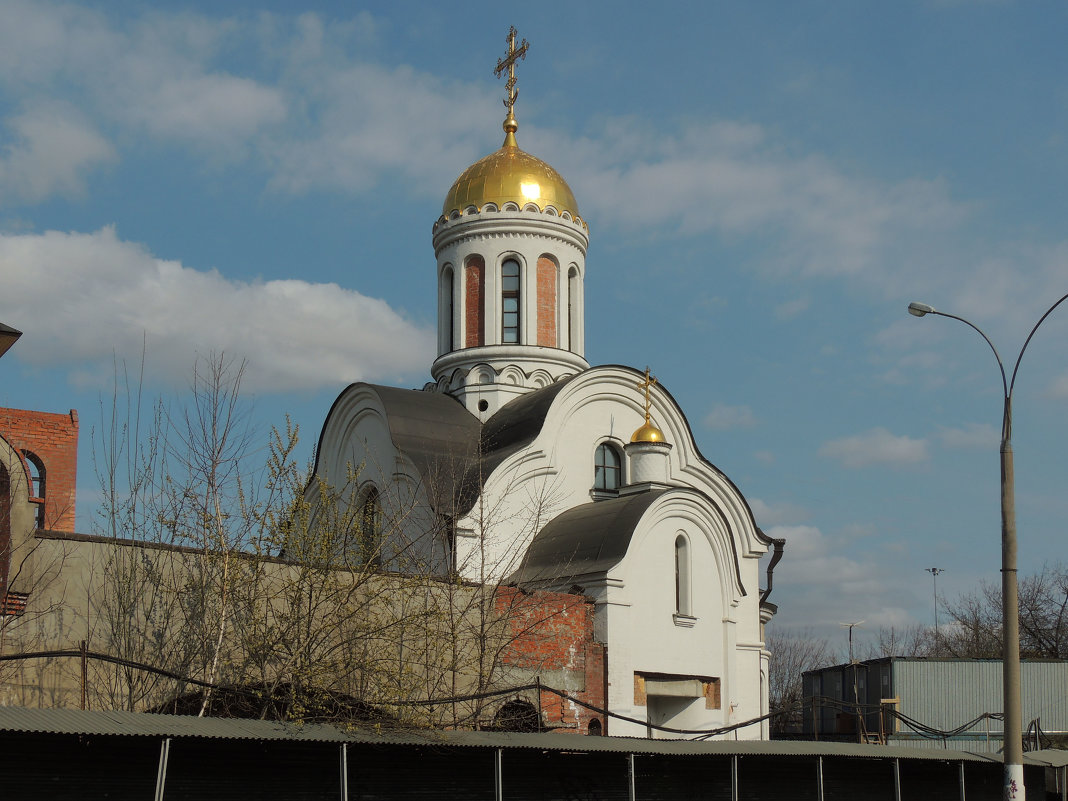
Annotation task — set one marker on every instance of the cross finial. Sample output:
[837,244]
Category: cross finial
[645,386]
[508,63]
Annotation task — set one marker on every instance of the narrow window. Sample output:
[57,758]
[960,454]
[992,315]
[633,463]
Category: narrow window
[682,576]
[449,326]
[37,484]
[572,310]
[370,534]
[510,302]
[607,468]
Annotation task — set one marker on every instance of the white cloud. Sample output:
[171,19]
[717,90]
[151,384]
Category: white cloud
[876,447]
[971,435]
[722,417]
[735,179]
[1059,387]
[792,308]
[113,295]
[51,151]
[308,111]
[767,515]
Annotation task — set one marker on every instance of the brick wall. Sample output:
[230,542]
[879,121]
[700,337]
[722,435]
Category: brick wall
[547,302]
[53,439]
[552,638]
[474,300]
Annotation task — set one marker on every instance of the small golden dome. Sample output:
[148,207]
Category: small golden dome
[510,175]
[648,433]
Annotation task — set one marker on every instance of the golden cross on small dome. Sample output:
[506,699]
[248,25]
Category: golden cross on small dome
[645,386]
[508,63]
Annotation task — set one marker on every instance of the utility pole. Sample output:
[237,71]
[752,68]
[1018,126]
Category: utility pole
[856,691]
[934,571]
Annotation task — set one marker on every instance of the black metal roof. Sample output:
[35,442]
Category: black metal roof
[138,724]
[590,538]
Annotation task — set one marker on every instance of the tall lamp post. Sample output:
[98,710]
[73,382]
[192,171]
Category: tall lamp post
[1010,625]
[935,571]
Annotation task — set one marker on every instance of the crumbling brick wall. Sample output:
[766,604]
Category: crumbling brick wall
[552,639]
[53,440]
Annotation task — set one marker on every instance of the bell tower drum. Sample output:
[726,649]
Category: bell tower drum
[511,260]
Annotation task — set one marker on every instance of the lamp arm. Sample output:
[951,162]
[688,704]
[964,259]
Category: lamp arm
[1027,341]
[1001,366]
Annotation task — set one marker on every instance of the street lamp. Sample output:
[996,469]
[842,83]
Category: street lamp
[1010,625]
[935,571]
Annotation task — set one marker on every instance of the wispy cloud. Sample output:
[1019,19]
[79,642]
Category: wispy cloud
[876,447]
[305,108]
[51,150]
[113,296]
[970,435]
[722,417]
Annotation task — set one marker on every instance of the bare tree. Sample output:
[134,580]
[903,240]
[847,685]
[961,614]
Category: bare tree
[791,655]
[976,617]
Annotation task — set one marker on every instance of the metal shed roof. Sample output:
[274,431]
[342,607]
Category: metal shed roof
[134,724]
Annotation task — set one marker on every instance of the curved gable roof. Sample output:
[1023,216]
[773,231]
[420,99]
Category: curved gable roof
[591,538]
[433,430]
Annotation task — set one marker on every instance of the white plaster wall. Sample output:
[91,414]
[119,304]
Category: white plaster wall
[556,472]
[637,600]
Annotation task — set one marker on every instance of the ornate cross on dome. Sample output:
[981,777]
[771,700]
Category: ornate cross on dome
[646,385]
[514,55]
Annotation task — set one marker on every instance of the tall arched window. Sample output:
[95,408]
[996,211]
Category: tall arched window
[607,468]
[510,302]
[447,304]
[37,484]
[572,310]
[370,524]
[682,577]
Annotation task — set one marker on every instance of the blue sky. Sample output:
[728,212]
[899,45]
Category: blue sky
[767,186]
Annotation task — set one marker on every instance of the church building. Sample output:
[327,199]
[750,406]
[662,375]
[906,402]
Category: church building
[521,465]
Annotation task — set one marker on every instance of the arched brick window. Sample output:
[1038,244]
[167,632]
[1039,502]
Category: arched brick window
[474,302]
[37,484]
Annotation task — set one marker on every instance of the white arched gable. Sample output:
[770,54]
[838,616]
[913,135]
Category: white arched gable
[616,388]
[356,435]
[703,526]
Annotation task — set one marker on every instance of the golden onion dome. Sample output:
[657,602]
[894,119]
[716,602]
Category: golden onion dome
[648,433]
[510,175]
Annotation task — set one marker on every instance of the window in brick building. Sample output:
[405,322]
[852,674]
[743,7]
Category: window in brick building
[607,468]
[37,484]
[510,296]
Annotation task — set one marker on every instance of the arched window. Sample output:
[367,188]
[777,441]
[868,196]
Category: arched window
[595,728]
[572,310]
[682,577]
[37,484]
[447,303]
[607,468]
[510,302]
[517,715]
[370,528]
